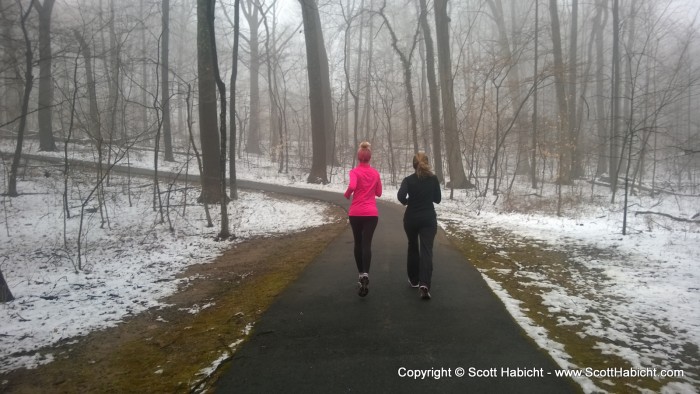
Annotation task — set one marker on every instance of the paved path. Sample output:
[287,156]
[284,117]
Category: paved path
[319,336]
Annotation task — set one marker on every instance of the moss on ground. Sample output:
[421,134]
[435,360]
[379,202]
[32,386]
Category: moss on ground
[504,265]
[166,350]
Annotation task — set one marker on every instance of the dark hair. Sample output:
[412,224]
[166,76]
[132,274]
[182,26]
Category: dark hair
[421,165]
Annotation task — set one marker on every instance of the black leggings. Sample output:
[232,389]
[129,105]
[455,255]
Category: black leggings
[363,230]
[421,234]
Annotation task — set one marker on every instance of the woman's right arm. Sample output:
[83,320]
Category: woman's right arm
[352,185]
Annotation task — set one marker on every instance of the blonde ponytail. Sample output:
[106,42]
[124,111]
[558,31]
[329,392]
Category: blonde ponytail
[364,154]
[421,165]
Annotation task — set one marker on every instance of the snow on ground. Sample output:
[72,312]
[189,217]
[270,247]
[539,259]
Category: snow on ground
[638,293]
[127,266]
[643,289]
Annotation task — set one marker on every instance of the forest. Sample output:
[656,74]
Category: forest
[493,90]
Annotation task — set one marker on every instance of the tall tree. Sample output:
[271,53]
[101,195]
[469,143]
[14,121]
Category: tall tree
[313,36]
[535,81]
[144,68]
[407,79]
[165,79]
[328,123]
[458,179]
[573,88]
[601,124]
[559,83]
[46,139]
[234,74]
[28,82]
[432,91]
[510,58]
[251,12]
[224,232]
[615,154]
[208,125]
[346,67]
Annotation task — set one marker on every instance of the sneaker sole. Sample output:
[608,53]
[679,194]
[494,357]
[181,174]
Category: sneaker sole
[424,293]
[363,289]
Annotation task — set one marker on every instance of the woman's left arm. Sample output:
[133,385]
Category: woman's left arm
[437,194]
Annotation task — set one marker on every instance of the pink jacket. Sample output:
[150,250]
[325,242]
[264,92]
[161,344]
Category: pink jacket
[364,186]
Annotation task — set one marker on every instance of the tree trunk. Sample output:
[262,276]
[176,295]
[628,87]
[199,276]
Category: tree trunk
[208,125]
[564,176]
[144,70]
[433,92]
[314,44]
[93,130]
[28,83]
[458,179]
[573,89]
[224,232]
[614,156]
[5,293]
[601,126]
[165,81]
[512,83]
[252,16]
[535,83]
[328,123]
[46,139]
[407,79]
[234,73]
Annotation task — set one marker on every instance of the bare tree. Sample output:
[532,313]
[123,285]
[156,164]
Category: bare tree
[46,139]
[510,55]
[5,293]
[458,179]
[599,22]
[564,176]
[572,91]
[234,73]
[433,92]
[208,125]
[314,46]
[406,64]
[224,232]
[614,156]
[165,80]
[28,83]
[251,12]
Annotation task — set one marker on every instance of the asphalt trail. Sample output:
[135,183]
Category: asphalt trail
[320,336]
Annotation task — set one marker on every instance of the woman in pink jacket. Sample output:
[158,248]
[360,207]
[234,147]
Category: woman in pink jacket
[364,187]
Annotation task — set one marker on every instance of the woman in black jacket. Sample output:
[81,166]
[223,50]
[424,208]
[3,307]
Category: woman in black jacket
[419,191]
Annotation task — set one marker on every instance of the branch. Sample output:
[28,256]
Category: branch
[697,221]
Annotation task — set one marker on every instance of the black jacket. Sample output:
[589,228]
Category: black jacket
[420,194]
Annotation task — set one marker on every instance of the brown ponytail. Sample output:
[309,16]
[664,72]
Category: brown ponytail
[421,165]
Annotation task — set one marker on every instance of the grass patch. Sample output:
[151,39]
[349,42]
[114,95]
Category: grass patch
[517,263]
[167,349]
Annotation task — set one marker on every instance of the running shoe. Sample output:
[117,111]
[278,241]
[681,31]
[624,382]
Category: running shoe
[424,293]
[413,284]
[363,284]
